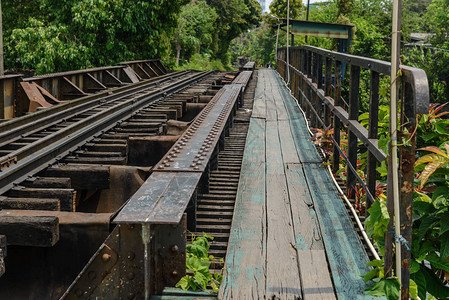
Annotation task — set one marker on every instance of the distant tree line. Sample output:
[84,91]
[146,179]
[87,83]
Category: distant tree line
[59,35]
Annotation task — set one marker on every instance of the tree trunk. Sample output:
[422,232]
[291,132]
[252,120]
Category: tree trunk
[178,53]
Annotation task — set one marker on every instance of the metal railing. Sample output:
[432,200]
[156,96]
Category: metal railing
[315,79]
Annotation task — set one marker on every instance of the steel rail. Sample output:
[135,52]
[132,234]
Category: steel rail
[63,108]
[66,143]
[51,120]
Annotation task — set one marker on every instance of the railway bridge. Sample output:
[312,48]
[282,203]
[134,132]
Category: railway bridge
[106,177]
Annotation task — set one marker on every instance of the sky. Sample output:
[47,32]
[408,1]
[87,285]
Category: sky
[267,4]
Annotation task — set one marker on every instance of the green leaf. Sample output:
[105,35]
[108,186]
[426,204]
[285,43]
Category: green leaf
[382,169]
[377,288]
[183,283]
[440,198]
[426,223]
[378,219]
[413,290]
[420,279]
[438,262]
[197,250]
[388,287]
[200,280]
[375,263]
[441,127]
[371,274]
[444,248]
[433,284]
[414,266]
[392,288]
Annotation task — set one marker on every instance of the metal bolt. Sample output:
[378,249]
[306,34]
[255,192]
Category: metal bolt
[131,255]
[175,273]
[131,276]
[92,275]
[106,257]
[174,248]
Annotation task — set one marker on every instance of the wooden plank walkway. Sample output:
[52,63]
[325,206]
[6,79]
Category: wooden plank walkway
[291,236]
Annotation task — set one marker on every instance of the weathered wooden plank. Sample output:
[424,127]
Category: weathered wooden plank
[313,263]
[346,255]
[289,153]
[29,203]
[87,177]
[315,275]
[255,142]
[283,278]
[307,230]
[275,165]
[306,149]
[38,231]
[278,97]
[259,106]
[47,182]
[245,260]
[66,197]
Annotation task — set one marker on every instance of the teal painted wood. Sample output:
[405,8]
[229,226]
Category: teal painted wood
[170,293]
[275,163]
[255,142]
[345,252]
[283,278]
[259,106]
[289,152]
[316,280]
[288,204]
[281,110]
[245,271]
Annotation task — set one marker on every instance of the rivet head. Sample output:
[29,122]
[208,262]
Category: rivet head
[131,255]
[175,273]
[106,257]
[131,275]
[174,248]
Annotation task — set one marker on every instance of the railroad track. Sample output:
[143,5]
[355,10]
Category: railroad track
[69,157]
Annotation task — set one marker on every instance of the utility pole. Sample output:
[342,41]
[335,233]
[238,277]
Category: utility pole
[307,15]
[2,67]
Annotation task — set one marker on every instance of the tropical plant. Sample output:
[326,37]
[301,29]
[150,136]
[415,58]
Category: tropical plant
[198,264]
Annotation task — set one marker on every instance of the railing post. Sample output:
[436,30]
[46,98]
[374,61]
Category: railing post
[327,89]
[313,97]
[406,179]
[372,134]
[337,124]
[319,83]
[352,138]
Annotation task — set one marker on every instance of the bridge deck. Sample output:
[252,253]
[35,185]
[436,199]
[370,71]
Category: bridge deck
[291,235]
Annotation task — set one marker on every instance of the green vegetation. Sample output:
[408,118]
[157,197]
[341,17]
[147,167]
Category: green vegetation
[198,265]
[60,35]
